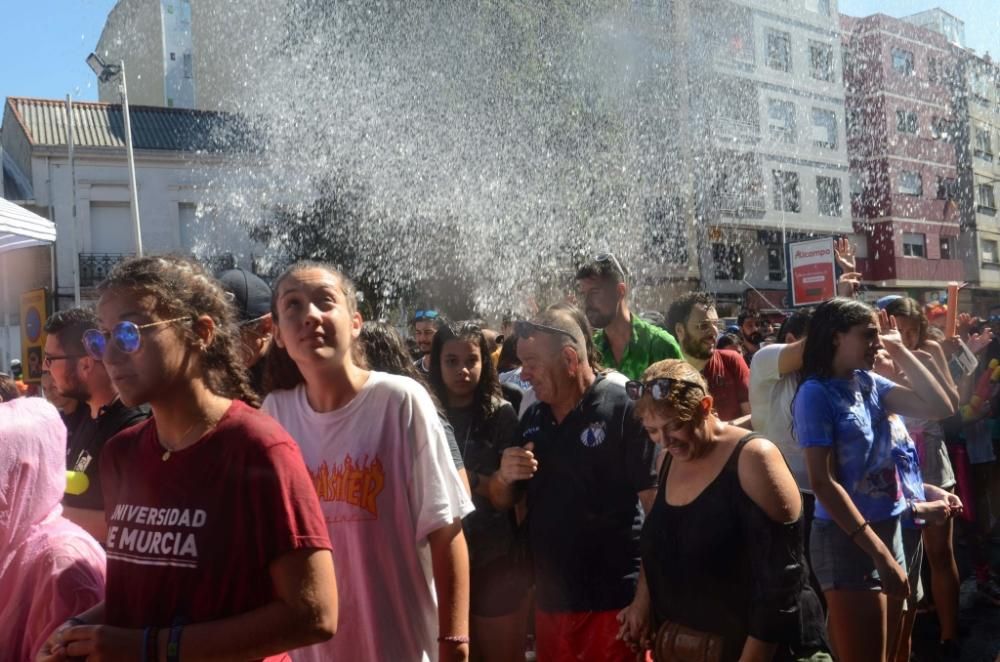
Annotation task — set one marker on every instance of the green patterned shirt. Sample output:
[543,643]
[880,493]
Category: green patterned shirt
[648,344]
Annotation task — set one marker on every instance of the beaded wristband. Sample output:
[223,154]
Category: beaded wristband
[454,639]
[76,621]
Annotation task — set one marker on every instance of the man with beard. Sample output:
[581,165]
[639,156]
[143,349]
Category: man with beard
[750,335]
[78,376]
[628,343]
[696,324]
[425,325]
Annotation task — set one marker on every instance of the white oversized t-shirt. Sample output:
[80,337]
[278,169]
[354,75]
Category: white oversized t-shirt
[385,480]
[771,395]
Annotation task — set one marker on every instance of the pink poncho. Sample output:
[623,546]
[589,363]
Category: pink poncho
[50,569]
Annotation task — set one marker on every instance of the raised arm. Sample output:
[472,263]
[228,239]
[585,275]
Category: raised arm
[925,397]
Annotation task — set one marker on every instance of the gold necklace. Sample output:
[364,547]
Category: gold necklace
[167,452]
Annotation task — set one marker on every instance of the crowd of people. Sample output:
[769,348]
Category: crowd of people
[231,469]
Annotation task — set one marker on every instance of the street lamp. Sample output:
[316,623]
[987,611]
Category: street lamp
[105,73]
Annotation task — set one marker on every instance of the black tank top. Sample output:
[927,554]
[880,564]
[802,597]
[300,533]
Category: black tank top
[700,565]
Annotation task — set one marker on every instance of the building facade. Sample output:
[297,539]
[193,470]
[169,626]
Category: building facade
[977,100]
[771,153]
[902,129]
[176,153]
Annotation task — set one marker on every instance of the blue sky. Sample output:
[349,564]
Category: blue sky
[43,43]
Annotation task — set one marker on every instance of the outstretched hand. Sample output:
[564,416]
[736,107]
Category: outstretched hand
[844,254]
[888,333]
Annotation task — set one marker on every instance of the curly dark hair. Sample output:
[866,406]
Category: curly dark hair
[680,309]
[184,288]
[488,388]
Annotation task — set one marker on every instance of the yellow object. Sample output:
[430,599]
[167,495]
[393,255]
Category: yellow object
[994,364]
[76,482]
[995,377]
[976,401]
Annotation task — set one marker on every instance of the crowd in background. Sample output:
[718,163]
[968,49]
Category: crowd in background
[231,469]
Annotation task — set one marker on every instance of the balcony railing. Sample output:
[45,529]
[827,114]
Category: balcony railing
[742,205]
[95,267]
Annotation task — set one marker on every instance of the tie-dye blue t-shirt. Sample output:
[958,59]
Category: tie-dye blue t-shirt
[849,416]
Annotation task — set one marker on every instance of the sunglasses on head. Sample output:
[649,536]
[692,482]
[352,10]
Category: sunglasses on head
[610,257]
[425,315]
[658,389]
[127,337]
[523,329]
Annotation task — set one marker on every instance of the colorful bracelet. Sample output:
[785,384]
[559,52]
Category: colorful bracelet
[454,639]
[73,620]
[174,644]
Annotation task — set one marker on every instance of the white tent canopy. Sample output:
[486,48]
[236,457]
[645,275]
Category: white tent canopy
[20,228]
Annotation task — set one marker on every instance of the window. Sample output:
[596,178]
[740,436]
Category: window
[984,192]
[824,128]
[989,251]
[947,188]
[786,191]
[902,61]
[855,122]
[857,184]
[823,7]
[775,262]
[728,261]
[947,248]
[828,194]
[984,147]
[188,66]
[910,183]
[906,121]
[821,61]
[913,245]
[940,128]
[781,120]
[779,50]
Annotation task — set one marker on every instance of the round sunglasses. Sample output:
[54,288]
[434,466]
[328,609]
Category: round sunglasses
[127,337]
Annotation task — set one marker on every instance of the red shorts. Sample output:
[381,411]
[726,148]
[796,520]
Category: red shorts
[587,636]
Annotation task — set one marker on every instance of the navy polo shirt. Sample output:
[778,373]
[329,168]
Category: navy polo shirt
[584,515]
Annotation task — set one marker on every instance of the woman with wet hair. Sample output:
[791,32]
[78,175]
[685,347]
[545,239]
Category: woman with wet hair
[722,545]
[465,381]
[380,464]
[935,464]
[841,418]
[216,544]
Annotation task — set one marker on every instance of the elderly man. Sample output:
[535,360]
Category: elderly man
[587,472]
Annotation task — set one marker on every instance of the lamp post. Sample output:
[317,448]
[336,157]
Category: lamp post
[105,73]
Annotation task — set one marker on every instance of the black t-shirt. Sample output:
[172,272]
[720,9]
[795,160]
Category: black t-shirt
[83,447]
[490,533]
[584,515]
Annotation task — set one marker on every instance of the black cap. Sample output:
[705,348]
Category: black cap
[251,295]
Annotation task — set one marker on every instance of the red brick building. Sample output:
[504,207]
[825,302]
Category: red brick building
[901,128]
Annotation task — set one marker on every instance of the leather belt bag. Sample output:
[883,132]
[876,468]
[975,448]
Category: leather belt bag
[678,643]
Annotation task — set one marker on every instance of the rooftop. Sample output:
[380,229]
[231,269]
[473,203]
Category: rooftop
[102,125]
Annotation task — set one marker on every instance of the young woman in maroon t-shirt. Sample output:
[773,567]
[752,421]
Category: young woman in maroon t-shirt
[216,544]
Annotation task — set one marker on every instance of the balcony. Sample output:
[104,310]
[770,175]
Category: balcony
[743,205]
[95,267]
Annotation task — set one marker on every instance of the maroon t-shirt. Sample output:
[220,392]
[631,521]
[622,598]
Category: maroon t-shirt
[190,538]
[728,380]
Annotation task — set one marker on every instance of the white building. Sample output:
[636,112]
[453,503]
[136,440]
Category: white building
[769,115]
[176,153]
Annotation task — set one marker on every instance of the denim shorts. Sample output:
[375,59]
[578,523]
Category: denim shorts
[913,548]
[839,564]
